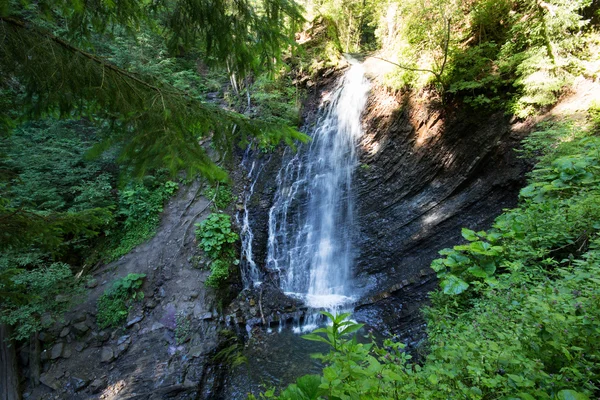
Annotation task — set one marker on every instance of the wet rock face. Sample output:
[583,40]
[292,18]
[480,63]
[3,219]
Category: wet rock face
[424,174]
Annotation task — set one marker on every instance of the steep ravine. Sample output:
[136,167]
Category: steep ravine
[423,175]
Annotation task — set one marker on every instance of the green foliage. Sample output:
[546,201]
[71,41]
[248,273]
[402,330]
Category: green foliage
[30,295]
[220,195]
[113,305]
[353,20]
[232,351]
[322,50]
[219,272]
[276,99]
[336,332]
[515,55]
[139,208]
[216,237]
[152,123]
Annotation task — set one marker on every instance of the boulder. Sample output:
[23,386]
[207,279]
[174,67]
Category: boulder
[57,350]
[80,328]
[97,385]
[107,354]
[51,379]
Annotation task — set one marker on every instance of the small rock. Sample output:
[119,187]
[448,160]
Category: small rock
[46,337]
[151,304]
[156,326]
[50,379]
[206,315]
[80,328]
[122,348]
[66,352]
[161,292]
[196,351]
[252,302]
[134,320]
[92,283]
[78,384]
[97,385]
[194,295]
[46,319]
[57,350]
[102,336]
[79,317]
[107,354]
[123,339]
[79,347]
[252,310]
[65,331]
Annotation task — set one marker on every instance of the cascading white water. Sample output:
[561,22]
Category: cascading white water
[312,218]
[251,275]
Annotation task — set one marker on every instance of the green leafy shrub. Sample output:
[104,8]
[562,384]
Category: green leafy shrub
[28,295]
[113,305]
[216,237]
[139,210]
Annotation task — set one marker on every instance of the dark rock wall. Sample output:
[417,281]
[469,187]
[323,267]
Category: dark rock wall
[424,175]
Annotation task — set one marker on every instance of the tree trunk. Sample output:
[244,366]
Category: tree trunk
[34,359]
[9,375]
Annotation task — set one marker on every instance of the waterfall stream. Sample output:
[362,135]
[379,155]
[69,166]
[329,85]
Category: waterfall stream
[311,222]
[251,275]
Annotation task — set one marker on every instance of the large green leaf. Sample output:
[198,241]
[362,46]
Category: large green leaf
[453,285]
[568,394]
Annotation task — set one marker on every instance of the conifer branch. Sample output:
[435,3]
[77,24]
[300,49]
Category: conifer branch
[76,50]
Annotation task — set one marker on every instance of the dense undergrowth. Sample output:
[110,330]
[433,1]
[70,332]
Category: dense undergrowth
[517,315]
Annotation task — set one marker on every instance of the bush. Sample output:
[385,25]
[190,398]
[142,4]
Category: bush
[113,305]
[216,237]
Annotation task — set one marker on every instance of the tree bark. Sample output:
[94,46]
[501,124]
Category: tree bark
[9,377]
[34,359]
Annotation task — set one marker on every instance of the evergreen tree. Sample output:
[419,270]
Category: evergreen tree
[51,66]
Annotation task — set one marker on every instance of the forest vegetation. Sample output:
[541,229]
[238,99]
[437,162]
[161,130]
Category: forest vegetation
[107,108]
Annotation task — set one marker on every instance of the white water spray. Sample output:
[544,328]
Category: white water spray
[251,275]
[311,223]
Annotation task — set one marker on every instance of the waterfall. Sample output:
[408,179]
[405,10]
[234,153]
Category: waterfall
[251,275]
[311,222]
